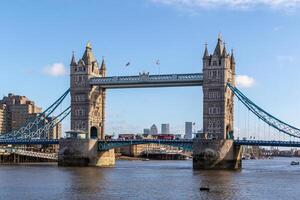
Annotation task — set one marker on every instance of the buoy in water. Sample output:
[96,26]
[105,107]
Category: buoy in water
[204,189]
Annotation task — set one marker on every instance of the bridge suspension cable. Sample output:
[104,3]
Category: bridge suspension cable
[36,127]
[264,115]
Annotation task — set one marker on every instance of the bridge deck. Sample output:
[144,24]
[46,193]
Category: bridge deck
[184,143]
[188,144]
[145,80]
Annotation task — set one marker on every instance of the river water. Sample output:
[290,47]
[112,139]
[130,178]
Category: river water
[259,179]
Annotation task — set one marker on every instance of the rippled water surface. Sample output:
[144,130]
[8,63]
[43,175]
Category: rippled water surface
[259,179]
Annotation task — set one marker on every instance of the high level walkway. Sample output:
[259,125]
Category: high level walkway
[145,80]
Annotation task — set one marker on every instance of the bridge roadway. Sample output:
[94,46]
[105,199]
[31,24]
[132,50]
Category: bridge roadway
[183,143]
[145,80]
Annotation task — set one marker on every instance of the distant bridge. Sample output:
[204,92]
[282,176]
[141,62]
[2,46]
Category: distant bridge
[50,156]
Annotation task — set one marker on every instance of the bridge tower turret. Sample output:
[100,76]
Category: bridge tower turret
[218,70]
[87,102]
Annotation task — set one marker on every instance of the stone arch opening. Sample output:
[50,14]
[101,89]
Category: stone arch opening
[94,133]
[229,132]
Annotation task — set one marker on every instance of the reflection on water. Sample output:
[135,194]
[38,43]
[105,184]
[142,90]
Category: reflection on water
[259,179]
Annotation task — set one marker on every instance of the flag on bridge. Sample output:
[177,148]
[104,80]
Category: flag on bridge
[157,62]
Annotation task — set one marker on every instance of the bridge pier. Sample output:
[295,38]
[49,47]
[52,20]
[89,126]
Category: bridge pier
[84,152]
[216,154]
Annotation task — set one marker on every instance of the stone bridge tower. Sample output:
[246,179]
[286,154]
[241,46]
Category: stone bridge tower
[87,102]
[216,150]
[218,70]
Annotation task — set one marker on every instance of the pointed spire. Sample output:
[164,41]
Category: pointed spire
[232,57]
[219,47]
[88,56]
[73,60]
[224,53]
[220,36]
[103,65]
[88,45]
[205,52]
[103,68]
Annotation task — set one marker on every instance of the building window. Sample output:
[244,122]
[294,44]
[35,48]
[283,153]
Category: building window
[214,110]
[213,95]
[79,97]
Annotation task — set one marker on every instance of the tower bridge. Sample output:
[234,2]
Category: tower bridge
[216,149]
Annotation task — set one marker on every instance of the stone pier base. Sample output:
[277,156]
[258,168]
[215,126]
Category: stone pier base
[216,154]
[83,152]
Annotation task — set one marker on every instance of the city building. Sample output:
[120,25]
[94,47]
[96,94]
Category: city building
[146,131]
[153,130]
[19,110]
[16,111]
[127,136]
[2,118]
[165,128]
[188,130]
[55,132]
[140,149]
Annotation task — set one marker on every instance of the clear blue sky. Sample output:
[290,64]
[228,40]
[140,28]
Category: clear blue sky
[265,38]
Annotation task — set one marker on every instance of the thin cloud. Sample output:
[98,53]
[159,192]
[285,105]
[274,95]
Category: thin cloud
[278,28]
[244,81]
[56,69]
[233,4]
[286,59]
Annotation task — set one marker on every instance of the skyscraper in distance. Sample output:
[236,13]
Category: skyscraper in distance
[188,130]
[165,128]
[153,130]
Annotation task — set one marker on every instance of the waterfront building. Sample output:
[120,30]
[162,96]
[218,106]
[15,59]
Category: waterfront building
[55,132]
[16,110]
[19,110]
[2,118]
[127,136]
[153,130]
[165,128]
[188,130]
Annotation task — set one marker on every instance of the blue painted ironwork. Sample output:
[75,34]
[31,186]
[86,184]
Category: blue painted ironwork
[111,144]
[264,115]
[184,144]
[146,80]
[29,141]
[38,127]
[268,143]
[187,144]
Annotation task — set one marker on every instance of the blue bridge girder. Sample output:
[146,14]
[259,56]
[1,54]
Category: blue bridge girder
[145,80]
[104,145]
[185,144]
[29,142]
[272,143]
